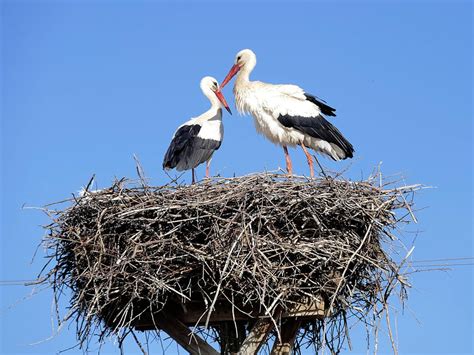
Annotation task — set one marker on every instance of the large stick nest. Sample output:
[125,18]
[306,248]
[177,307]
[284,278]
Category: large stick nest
[261,242]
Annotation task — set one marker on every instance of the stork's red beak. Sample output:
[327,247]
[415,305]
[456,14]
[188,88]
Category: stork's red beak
[222,100]
[234,70]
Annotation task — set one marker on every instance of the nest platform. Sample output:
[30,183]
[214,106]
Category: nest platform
[238,259]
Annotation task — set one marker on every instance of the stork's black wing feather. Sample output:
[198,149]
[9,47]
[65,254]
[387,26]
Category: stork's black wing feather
[318,127]
[187,150]
[325,108]
[181,138]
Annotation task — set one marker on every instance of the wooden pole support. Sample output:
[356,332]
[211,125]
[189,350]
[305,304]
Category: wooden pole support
[289,330]
[257,337]
[184,336]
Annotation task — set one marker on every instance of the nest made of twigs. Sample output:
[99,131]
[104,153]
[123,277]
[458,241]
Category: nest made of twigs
[262,242]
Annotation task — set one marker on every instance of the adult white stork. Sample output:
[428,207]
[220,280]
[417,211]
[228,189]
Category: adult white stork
[286,114]
[196,140]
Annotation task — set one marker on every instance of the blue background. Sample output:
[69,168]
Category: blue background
[87,84]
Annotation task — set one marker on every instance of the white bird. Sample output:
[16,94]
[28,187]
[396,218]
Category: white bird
[286,114]
[196,140]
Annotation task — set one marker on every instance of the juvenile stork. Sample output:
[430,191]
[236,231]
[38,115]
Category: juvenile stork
[286,114]
[196,140]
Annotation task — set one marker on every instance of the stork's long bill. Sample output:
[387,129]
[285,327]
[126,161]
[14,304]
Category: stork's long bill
[222,100]
[234,70]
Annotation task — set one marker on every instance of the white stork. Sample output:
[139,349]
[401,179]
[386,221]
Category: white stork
[286,114]
[196,140]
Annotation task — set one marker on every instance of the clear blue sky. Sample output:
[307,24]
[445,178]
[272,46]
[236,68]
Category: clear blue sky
[86,84]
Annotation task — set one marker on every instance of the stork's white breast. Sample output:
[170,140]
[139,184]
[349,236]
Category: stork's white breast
[212,129]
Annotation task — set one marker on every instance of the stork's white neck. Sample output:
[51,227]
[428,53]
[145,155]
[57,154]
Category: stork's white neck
[215,103]
[244,73]
[213,111]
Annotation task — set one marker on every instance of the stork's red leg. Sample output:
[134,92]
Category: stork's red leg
[207,168]
[193,176]
[289,166]
[310,160]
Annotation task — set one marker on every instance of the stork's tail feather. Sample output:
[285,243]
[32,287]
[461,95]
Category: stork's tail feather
[342,153]
[341,145]
[167,164]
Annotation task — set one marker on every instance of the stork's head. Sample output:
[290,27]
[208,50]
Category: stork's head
[245,57]
[210,86]
[246,60]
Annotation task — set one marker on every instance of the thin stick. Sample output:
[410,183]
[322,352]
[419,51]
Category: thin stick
[320,166]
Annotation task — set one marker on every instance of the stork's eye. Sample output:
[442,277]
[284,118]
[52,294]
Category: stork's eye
[238,58]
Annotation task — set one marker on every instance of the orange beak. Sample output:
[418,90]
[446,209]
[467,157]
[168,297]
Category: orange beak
[222,100]
[234,70]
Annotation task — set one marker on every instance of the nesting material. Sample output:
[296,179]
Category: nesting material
[256,244]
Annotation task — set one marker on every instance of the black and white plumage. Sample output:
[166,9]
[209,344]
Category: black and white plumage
[188,149]
[286,114]
[196,140]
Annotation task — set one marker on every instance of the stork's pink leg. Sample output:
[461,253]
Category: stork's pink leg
[289,166]
[207,168]
[310,160]
[193,176]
